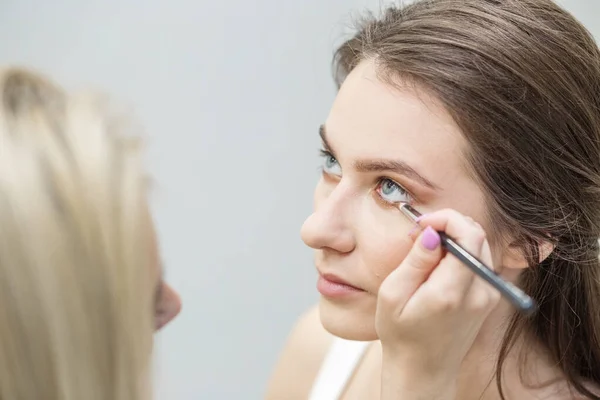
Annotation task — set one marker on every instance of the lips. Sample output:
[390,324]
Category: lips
[336,279]
[333,286]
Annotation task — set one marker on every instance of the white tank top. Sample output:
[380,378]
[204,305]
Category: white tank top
[337,369]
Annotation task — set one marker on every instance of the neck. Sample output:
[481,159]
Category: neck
[477,376]
[525,369]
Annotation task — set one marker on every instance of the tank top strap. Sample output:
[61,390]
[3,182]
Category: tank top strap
[337,369]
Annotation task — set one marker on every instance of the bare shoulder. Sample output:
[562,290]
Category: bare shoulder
[300,359]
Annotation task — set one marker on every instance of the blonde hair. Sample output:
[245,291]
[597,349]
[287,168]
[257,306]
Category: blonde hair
[75,288]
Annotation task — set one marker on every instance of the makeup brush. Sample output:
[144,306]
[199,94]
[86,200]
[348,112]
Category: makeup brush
[513,294]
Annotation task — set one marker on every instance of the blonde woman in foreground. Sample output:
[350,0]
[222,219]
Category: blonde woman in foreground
[81,291]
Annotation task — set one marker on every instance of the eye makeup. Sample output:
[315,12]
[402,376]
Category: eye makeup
[388,190]
[513,294]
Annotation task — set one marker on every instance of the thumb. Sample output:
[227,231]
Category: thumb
[404,281]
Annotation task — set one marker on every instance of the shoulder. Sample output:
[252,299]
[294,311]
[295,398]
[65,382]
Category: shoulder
[301,358]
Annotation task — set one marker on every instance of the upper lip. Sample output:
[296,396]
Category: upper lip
[337,279]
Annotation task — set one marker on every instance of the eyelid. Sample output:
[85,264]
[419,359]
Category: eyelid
[409,193]
[326,152]
[326,148]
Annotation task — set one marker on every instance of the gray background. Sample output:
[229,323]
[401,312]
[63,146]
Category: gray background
[231,93]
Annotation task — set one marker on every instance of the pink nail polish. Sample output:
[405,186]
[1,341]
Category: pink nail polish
[430,239]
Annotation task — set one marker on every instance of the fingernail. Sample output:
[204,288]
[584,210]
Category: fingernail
[430,239]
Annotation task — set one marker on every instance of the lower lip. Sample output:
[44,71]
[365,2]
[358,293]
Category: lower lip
[333,289]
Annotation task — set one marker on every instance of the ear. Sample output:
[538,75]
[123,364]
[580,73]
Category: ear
[544,249]
[514,257]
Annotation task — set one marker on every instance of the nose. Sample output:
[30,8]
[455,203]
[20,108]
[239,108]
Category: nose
[168,307]
[329,225]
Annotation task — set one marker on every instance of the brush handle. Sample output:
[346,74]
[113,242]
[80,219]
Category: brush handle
[516,296]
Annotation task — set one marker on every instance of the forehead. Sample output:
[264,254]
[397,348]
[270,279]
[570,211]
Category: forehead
[372,119]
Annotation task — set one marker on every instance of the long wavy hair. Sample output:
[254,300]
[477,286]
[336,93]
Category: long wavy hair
[522,80]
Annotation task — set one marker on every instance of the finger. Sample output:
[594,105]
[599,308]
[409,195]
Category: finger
[403,282]
[462,229]
[453,223]
[482,297]
[486,253]
[452,278]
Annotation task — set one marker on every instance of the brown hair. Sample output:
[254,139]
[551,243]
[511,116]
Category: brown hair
[522,80]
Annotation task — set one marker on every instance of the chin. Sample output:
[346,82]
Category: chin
[352,320]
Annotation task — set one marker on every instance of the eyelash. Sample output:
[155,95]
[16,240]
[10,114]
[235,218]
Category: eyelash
[325,154]
[380,181]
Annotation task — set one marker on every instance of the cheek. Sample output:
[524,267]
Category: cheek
[382,242]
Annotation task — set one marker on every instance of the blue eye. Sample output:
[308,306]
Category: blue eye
[392,192]
[330,164]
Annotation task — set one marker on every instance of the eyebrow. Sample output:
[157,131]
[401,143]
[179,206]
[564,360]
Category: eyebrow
[382,165]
